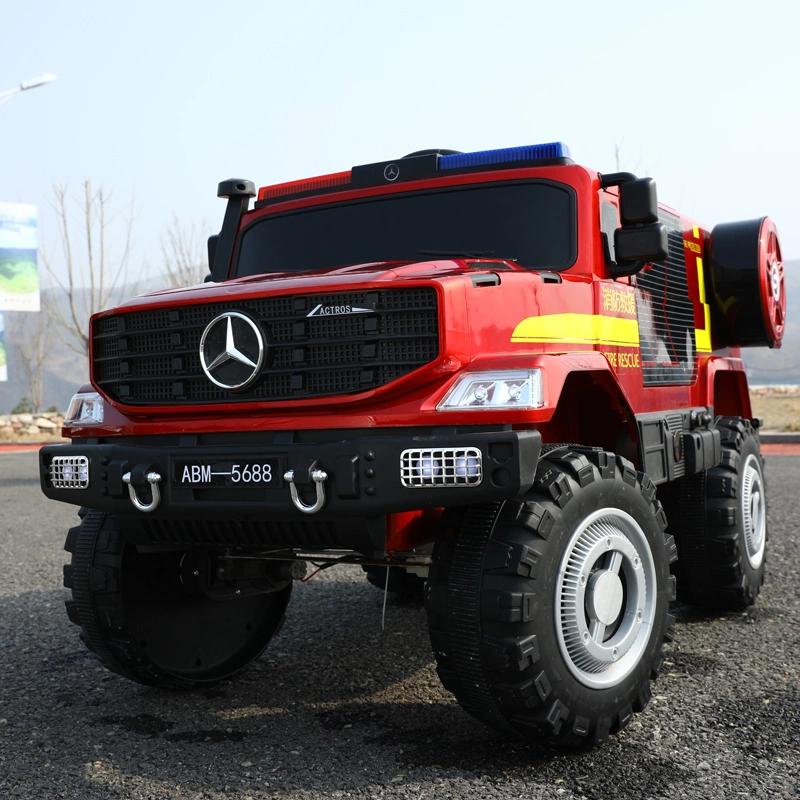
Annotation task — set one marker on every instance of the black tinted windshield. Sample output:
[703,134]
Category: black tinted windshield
[532,222]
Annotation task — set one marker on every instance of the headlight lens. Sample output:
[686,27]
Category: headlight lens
[85,409]
[502,389]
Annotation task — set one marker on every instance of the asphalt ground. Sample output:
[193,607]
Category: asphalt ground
[338,708]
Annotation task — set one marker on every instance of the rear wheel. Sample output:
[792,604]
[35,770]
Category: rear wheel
[547,615]
[144,621]
[722,531]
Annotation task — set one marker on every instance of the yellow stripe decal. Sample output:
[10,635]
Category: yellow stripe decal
[701,281]
[578,329]
[703,338]
[695,232]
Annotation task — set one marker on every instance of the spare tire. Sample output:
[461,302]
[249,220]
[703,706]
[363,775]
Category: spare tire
[749,298]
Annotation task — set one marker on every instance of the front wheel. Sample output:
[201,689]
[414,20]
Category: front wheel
[548,615]
[143,621]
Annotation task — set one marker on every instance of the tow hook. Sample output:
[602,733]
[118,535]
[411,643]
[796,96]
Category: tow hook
[153,479]
[318,477]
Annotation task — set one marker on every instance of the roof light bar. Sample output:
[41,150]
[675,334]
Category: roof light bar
[532,152]
[417,167]
[305,185]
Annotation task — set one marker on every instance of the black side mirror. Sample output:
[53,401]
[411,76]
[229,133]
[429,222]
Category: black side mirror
[641,238]
[638,203]
[647,243]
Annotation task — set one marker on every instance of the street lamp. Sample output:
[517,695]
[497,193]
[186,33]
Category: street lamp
[39,80]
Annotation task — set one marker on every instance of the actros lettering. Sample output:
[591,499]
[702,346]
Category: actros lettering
[332,310]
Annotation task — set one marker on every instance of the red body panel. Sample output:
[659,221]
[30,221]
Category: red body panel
[477,330]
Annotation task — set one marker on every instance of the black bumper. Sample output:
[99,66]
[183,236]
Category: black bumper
[363,476]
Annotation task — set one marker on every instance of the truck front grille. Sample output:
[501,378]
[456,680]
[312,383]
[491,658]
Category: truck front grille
[153,357]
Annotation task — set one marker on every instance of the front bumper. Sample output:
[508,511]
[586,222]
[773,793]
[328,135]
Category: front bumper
[363,476]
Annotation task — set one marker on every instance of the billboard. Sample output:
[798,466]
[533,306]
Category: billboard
[19,275]
[3,367]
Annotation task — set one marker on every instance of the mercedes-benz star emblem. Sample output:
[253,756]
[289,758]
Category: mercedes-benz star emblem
[232,350]
[392,172]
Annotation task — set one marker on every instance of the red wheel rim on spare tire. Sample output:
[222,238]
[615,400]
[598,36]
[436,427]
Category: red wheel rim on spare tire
[771,281]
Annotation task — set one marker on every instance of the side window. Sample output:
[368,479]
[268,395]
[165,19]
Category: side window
[609,222]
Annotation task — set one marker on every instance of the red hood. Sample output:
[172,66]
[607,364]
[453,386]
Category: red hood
[341,278]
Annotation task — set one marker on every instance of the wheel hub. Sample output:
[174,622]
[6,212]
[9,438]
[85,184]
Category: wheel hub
[605,598]
[753,512]
[775,274]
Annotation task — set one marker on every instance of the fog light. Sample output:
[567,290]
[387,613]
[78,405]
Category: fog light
[467,467]
[427,467]
[69,472]
[441,466]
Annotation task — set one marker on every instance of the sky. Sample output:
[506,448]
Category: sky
[162,100]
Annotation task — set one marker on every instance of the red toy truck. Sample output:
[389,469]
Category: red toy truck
[508,378]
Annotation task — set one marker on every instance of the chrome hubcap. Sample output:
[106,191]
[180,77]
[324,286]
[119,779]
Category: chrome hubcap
[605,598]
[754,511]
[776,282]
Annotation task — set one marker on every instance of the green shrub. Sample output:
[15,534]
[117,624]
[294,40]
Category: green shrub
[23,407]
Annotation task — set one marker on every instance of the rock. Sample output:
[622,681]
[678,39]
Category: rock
[25,419]
[31,430]
[44,424]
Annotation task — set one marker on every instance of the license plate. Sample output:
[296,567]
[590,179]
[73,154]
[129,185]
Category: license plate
[264,472]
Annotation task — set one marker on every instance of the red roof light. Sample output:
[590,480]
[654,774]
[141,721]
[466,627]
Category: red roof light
[306,185]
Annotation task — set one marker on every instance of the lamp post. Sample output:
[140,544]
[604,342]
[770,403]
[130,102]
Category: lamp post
[39,80]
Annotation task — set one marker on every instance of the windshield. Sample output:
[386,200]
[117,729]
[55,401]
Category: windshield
[531,222]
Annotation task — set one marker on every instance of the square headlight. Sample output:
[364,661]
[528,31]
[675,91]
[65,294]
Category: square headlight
[85,409]
[501,389]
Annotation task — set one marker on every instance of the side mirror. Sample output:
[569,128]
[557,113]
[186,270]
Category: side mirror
[638,202]
[641,237]
[648,243]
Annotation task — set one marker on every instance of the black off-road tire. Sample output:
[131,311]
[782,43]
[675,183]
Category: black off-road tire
[718,567]
[137,617]
[491,597]
[402,583]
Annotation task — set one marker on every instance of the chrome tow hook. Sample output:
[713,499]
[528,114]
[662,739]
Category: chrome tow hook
[318,476]
[153,479]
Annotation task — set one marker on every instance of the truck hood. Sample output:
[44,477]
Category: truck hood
[341,278]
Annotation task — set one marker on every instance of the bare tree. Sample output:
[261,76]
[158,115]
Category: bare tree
[184,249]
[33,336]
[618,157]
[96,271]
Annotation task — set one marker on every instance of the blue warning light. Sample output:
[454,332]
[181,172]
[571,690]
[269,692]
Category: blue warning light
[507,155]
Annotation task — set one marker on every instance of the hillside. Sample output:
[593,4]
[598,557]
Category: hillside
[67,369]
